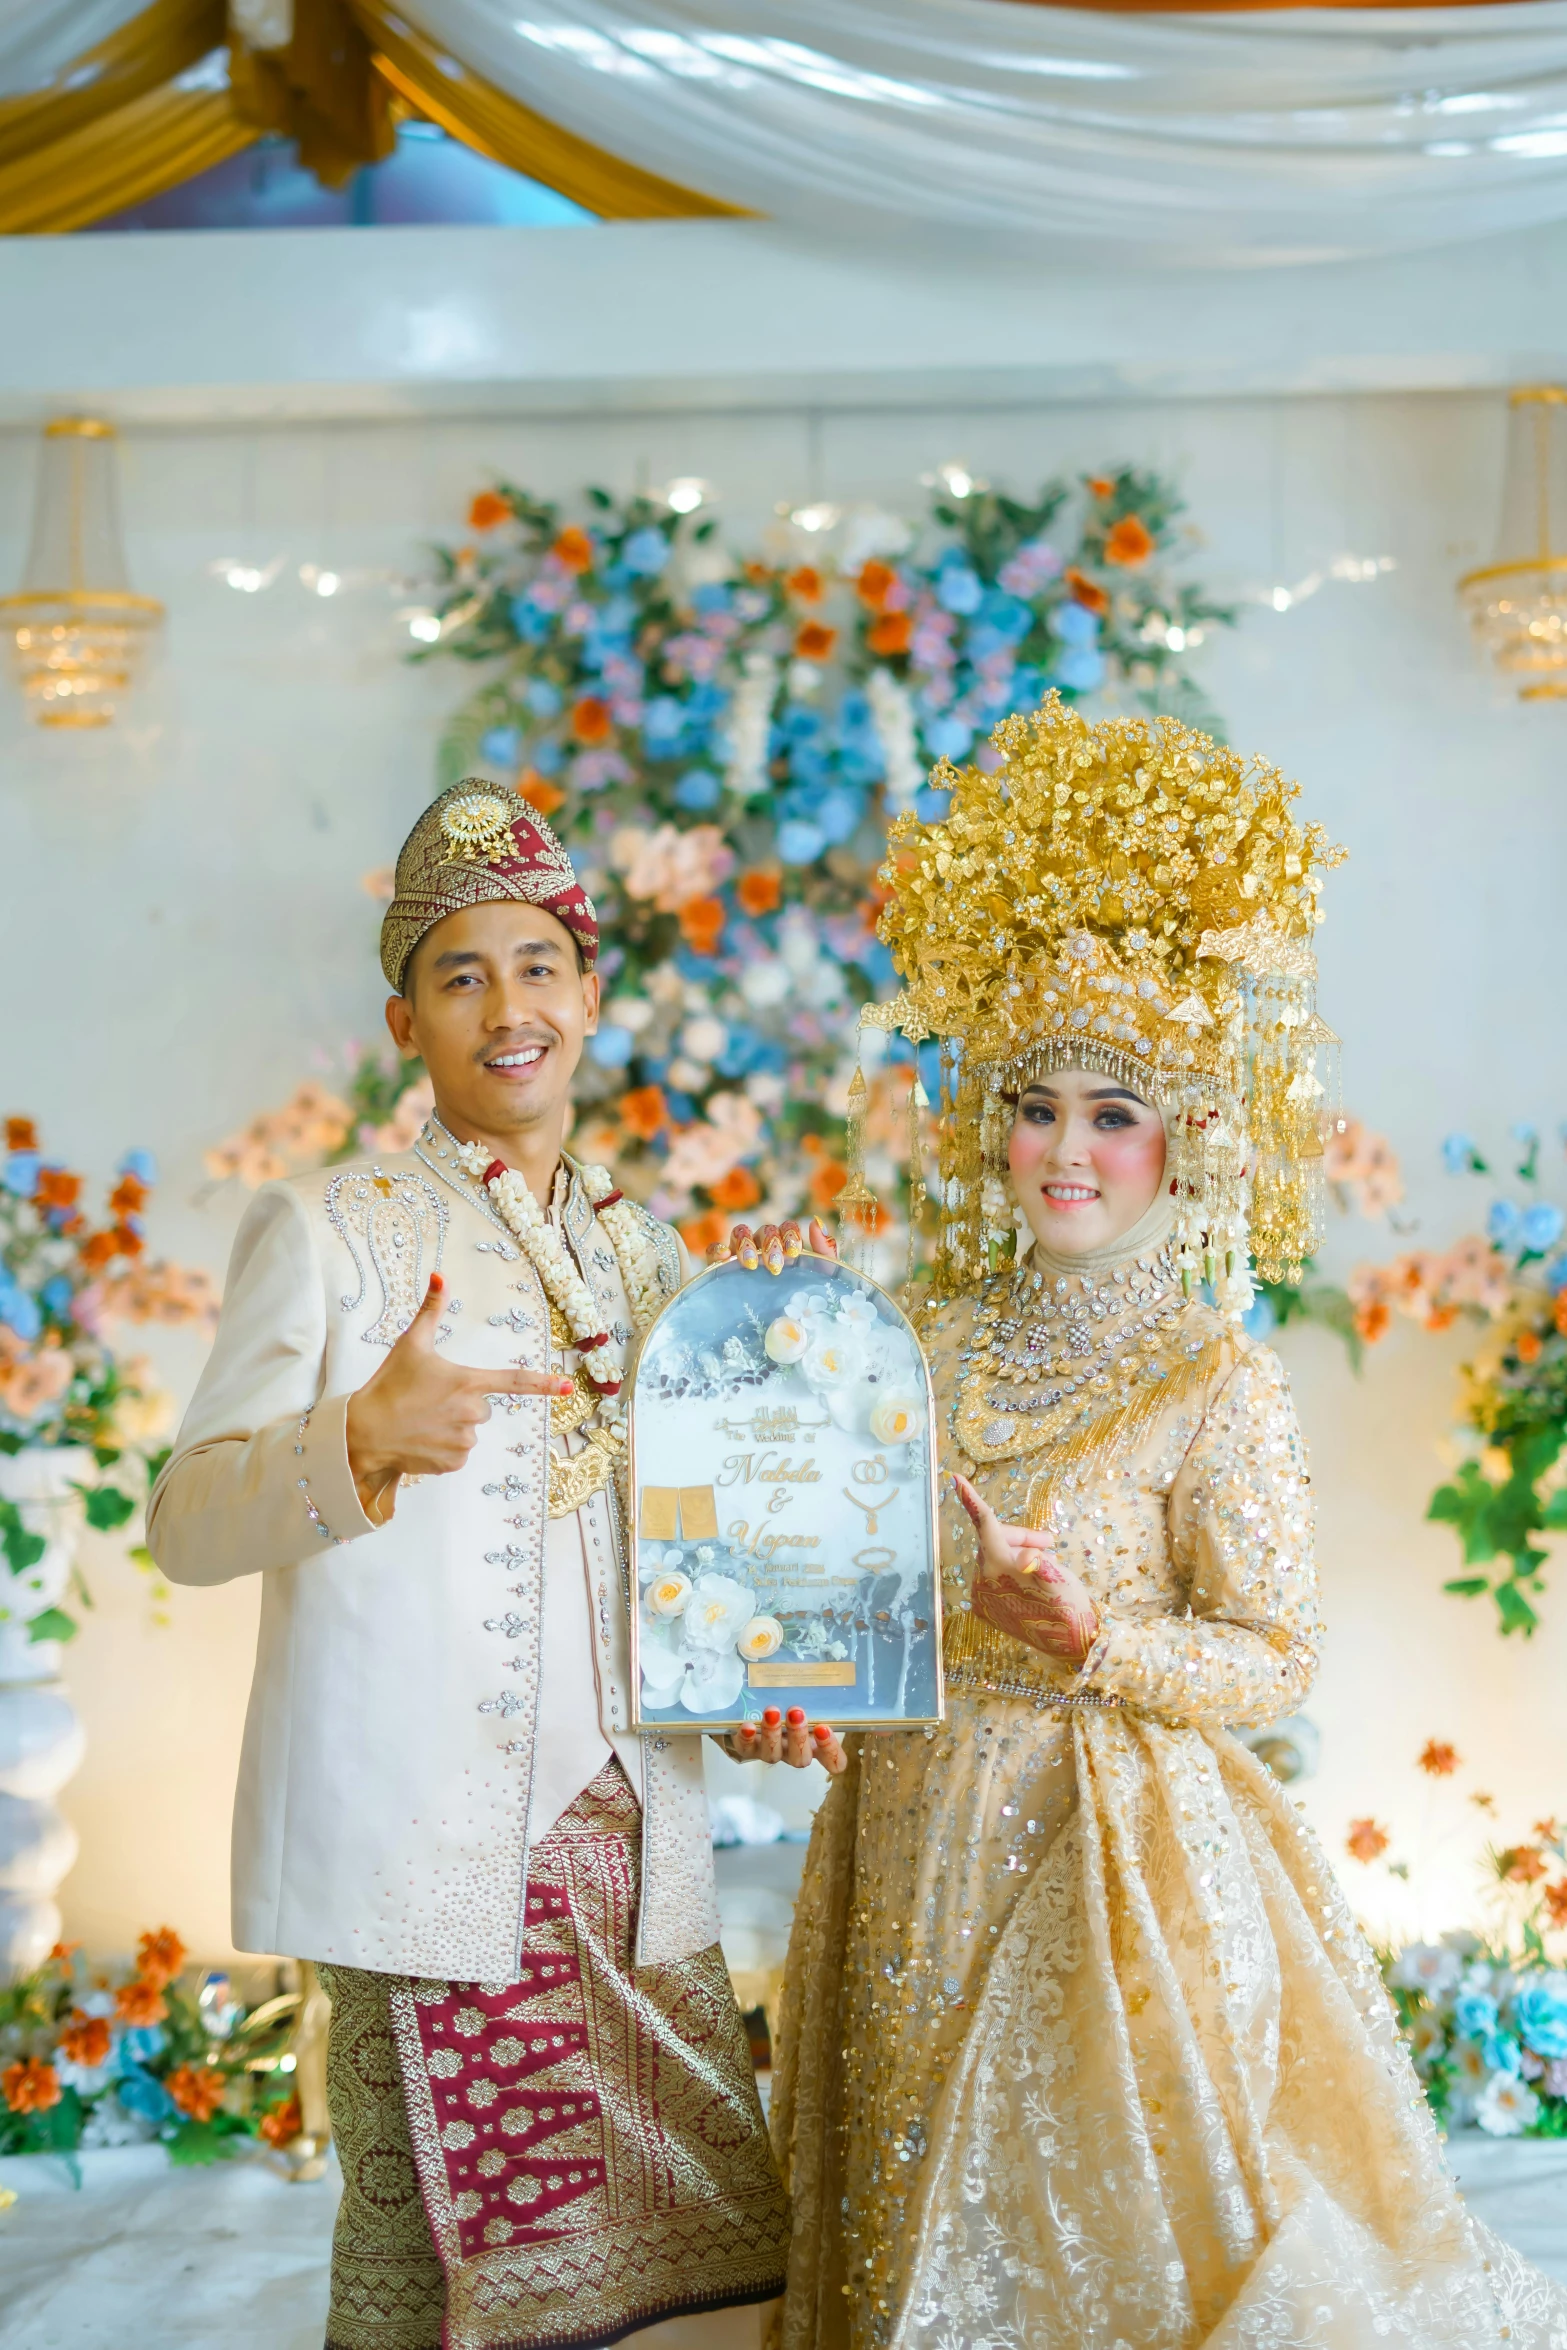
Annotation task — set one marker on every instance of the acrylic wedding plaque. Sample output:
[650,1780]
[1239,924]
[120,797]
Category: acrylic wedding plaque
[784,1504]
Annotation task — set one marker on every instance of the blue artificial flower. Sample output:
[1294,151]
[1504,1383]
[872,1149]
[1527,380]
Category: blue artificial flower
[1542,1225]
[862,767]
[501,745]
[1524,1132]
[1008,615]
[958,588]
[1502,2053]
[548,755]
[19,1308]
[1259,1319]
[543,697]
[1475,2015]
[141,1164]
[714,595]
[798,723]
[645,552]
[21,1173]
[1082,667]
[930,805]
[1072,623]
[697,789]
[947,737]
[1554,1274]
[838,816]
[800,843]
[532,625]
[663,722]
[1540,2013]
[1503,1224]
[1457,1150]
[809,764]
[140,2094]
[854,713]
[144,2043]
[613,1046]
[705,701]
[55,1296]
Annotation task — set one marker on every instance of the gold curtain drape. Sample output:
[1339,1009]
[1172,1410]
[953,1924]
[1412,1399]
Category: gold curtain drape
[321,89]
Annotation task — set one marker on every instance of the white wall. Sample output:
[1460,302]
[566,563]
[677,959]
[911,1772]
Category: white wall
[185,929]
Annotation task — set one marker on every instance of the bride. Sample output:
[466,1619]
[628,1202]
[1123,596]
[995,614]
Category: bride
[1080,2047]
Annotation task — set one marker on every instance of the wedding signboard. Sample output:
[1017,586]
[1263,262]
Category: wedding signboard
[784,1505]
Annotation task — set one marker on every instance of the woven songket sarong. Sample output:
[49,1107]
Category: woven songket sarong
[558,2160]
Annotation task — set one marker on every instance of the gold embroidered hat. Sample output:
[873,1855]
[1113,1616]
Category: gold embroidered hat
[1135,898]
[478,841]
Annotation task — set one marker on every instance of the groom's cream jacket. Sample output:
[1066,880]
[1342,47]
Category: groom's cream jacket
[392,1755]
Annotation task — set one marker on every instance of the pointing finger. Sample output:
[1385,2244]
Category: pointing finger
[521,1382]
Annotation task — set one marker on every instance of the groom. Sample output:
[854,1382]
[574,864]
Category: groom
[540,2087]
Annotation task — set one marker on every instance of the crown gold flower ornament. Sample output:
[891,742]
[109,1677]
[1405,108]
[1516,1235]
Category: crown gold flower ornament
[1133,897]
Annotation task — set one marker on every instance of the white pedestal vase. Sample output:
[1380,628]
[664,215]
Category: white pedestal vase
[41,1739]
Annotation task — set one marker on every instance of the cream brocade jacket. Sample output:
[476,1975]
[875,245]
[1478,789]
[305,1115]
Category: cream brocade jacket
[1081,2048]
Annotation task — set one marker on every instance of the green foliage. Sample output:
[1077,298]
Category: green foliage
[52,1623]
[107,1506]
[22,1549]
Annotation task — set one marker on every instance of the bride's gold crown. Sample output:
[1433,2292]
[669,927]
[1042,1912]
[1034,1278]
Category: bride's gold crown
[1135,897]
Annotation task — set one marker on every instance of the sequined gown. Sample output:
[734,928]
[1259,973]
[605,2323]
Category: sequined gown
[1081,2048]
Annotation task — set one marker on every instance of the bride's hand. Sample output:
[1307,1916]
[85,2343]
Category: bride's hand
[1019,1588]
[775,1246]
[778,1739]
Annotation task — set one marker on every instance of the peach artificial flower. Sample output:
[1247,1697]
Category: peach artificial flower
[759,890]
[31,2086]
[21,1134]
[1366,1841]
[736,1190]
[159,1957]
[487,509]
[32,1383]
[56,1189]
[893,632]
[1372,1320]
[1128,542]
[815,641]
[1438,1759]
[805,584]
[828,1178]
[875,584]
[644,1112]
[700,1233]
[1524,1864]
[573,550]
[1556,1902]
[380,883]
[139,2005]
[283,2123]
[1100,484]
[1529,1344]
[62,1951]
[198,2094]
[541,795]
[1086,591]
[85,2039]
[702,924]
[591,721]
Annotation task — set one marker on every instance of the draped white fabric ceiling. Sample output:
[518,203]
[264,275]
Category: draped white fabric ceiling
[1288,136]
[39,39]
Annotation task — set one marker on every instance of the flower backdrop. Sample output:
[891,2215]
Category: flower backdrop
[720,741]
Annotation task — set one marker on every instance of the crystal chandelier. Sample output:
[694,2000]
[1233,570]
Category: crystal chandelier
[77,632]
[1517,605]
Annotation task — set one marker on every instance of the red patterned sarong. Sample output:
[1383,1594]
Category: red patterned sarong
[589,2142]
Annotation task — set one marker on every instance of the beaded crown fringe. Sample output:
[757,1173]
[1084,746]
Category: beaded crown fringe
[1134,898]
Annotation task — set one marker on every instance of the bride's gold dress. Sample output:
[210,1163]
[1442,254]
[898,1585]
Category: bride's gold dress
[1081,2048]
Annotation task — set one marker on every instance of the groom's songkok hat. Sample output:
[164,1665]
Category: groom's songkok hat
[480,841]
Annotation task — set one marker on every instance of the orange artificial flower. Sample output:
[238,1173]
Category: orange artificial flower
[828,1178]
[1372,1319]
[1128,542]
[591,721]
[1560,1316]
[1547,1830]
[30,2087]
[805,584]
[1556,1902]
[159,1957]
[1529,1345]
[56,1189]
[573,549]
[139,2004]
[85,2039]
[871,908]
[645,1112]
[21,1134]
[283,2123]
[128,1242]
[815,641]
[759,890]
[875,583]
[198,2094]
[1524,1864]
[892,633]
[1100,485]
[1441,1317]
[98,1250]
[542,795]
[703,1232]
[1438,1759]
[736,1190]
[1086,591]
[1366,1841]
[488,508]
[129,1196]
[62,1951]
[702,924]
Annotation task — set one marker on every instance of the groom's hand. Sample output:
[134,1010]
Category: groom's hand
[419,1416]
[775,1246]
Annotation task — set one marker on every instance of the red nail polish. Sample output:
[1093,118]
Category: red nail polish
[747,1729]
[771,1716]
[821,1732]
[796,1716]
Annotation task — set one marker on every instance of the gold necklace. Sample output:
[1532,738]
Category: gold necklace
[572,1478]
